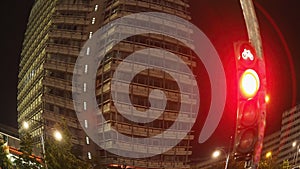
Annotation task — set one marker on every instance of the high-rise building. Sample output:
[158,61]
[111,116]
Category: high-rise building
[284,144]
[290,136]
[271,144]
[55,34]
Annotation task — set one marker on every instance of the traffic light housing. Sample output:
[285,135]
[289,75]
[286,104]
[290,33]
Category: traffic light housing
[250,123]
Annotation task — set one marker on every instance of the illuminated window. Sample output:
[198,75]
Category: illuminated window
[91,34]
[93,21]
[96,8]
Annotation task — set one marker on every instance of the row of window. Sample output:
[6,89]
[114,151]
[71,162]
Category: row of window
[159,124]
[116,136]
[164,3]
[34,92]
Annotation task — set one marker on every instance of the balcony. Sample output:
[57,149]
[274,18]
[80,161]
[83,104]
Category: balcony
[52,48]
[52,116]
[67,35]
[59,101]
[57,83]
[74,7]
[70,20]
[60,66]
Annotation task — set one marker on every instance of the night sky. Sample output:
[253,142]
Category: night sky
[222,21]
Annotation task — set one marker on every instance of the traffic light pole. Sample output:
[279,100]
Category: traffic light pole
[255,39]
[252,26]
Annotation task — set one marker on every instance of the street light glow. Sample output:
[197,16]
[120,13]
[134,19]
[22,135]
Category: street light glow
[57,135]
[249,83]
[269,154]
[216,154]
[25,125]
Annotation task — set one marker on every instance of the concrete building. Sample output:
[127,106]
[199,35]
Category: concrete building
[284,143]
[290,133]
[271,144]
[55,34]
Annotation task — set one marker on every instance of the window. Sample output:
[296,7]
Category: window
[96,8]
[90,35]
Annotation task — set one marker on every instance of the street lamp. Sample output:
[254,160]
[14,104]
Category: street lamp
[269,154]
[56,134]
[295,144]
[217,153]
[26,127]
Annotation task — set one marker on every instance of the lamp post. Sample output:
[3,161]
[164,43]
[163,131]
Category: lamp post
[56,134]
[217,153]
[269,158]
[26,127]
[269,154]
[296,144]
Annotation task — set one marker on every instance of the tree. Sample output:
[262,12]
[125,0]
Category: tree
[271,163]
[26,159]
[59,154]
[231,164]
[4,161]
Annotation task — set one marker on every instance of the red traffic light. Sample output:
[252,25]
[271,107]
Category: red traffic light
[250,110]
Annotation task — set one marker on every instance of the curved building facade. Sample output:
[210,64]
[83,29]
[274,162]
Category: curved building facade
[55,35]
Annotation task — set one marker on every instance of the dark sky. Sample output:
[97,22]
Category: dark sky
[222,21]
[14,14]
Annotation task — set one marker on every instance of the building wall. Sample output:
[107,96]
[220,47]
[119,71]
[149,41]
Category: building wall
[55,33]
[271,144]
[280,143]
[177,157]
[290,132]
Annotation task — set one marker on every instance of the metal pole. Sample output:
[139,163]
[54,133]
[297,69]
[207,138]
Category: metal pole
[255,39]
[227,161]
[43,149]
[229,152]
[252,26]
[297,151]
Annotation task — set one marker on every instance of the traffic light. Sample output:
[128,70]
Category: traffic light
[251,102]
